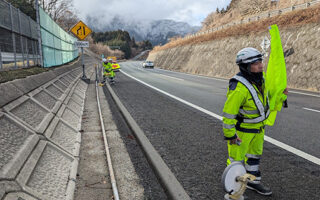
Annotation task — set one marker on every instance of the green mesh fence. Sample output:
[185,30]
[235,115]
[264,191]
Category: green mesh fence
[57,45]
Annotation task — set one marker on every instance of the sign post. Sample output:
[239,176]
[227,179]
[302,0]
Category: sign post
[81,31]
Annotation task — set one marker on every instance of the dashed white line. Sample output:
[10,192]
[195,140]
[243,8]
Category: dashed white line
[312,110]
[269,139]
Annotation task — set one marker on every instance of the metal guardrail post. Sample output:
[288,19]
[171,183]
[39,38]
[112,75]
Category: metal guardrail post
[21,40]
[13,38]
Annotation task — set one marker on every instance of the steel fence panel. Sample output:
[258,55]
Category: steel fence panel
[18,43]
[6,44]
[34,33]
[25,26]
[18,38]
[15,16]
[5,18]
[57,44]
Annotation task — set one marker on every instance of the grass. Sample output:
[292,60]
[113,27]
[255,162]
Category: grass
[10,75]
[20,73]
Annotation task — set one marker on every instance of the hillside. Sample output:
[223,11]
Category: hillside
[241,9]
[288,20]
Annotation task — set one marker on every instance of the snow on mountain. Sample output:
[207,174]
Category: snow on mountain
[157,31]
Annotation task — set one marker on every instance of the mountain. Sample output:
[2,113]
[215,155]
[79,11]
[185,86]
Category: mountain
[157,31]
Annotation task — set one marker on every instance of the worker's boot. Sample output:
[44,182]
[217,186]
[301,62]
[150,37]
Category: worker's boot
[258,187]
[111,80]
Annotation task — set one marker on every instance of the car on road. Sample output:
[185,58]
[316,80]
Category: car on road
[147,63]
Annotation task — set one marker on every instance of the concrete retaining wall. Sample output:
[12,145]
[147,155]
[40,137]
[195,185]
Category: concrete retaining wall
[217,58]
[40,119]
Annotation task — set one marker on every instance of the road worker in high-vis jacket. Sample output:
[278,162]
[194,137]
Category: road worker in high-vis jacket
[108,72]
[244,115]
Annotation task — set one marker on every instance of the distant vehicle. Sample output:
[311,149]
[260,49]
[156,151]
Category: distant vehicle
[147,63]
[114,59]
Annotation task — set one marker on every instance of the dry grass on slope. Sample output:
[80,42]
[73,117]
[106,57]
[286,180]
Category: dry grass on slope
[292,19]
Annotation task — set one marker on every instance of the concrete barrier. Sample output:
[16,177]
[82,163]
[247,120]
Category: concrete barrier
[9,93]
[40,119]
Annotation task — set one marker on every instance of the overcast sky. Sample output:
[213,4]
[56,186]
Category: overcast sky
[190,11]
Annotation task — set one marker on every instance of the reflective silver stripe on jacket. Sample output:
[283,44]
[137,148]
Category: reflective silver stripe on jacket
[229,116]
[248,112]
[256,99]
[252,168]
[228,126]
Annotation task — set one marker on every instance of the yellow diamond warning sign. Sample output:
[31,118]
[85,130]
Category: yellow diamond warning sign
[81,30]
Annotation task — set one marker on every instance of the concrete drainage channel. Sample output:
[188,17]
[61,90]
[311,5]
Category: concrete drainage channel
[40,118]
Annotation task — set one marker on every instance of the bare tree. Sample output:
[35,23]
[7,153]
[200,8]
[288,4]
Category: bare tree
[56,8]
[61,11]
[67,20]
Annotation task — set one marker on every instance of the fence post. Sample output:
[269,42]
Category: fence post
[0,60]
[21,40]
[39,34]
[13,38]
[28,58]
[33,53]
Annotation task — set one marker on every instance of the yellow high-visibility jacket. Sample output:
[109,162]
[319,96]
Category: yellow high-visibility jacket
[245,110]
[107,67]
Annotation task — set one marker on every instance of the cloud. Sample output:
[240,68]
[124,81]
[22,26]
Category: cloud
[190,11]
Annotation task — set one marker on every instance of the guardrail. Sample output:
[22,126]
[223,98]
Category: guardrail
[256,18]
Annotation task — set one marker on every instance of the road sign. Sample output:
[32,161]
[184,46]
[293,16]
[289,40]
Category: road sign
[81,30]
[265,45]
[81,43]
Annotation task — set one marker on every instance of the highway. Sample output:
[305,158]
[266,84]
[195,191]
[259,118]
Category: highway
[181,116]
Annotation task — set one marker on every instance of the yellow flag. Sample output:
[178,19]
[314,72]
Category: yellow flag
[276,76]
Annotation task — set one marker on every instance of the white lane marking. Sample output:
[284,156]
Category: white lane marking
[314,95]
[269,139]
[218,79]
[312,110]
[171,77]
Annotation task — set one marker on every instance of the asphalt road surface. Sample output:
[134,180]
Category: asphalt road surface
[188,132]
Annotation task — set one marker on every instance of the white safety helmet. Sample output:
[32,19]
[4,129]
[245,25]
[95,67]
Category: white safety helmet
[110,60]
[104,60]
[248,55]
